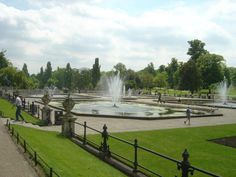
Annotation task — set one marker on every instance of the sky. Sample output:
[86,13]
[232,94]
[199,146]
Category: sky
[132,32]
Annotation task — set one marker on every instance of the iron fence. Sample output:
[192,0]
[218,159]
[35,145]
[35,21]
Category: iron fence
[33,155]
[110,150]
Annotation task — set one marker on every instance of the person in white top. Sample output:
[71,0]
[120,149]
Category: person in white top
[18,104]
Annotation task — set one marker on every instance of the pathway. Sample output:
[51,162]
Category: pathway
[12,162]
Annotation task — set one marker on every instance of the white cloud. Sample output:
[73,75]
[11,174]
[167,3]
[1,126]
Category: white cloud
[79,31]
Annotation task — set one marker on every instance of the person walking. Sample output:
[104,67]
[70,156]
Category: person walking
[188,114]
[18,104]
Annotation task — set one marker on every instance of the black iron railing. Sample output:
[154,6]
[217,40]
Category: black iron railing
[133,162]
[34,156]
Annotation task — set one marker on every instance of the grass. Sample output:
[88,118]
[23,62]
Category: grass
[204,154]
[66,158]
[9,112]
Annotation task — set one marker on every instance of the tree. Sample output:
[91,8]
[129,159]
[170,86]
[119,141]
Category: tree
[40,78]
[3,60]
[171,72]
[131,79]
[146,80]
[96,72]
[25,70]
[85,79]
[121,68]
[150,69]
[48,72]
[161,68]
[232,72]
[68,77]
[196,49]
[190,77]
[160,80]
[211,69]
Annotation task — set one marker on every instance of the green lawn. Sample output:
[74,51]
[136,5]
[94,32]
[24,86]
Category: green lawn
[66,158]
[204,154]
[9,112]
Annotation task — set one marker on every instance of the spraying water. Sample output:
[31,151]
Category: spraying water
[223,91]
[115,85]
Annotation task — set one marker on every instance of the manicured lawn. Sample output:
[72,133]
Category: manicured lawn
[204,154]
[9,112]
[66,158]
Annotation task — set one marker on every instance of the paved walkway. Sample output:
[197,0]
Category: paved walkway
[122,125]
[12,162]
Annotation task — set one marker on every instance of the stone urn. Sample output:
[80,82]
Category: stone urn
[68,126]
[46,111]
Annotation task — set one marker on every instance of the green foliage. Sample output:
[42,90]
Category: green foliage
[190,78]
[48,73]
[150,69]
[196,49]
[66,158]
[232,72]
[160,80]
[172,70]
[9,76]
[68,77]
[96,72]
[146,80]
[3,60]
[211,69]
[25,70]
[121,68]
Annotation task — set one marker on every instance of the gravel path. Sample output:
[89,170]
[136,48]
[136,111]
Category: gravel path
[12,162]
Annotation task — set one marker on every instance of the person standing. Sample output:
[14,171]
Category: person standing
[18,104]
[188,114]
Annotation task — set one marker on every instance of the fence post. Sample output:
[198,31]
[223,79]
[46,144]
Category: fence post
[84,142]
[50,173]
[9,126]
[7,122]
[35,158]
[12,131]
[104,145]
[135,155]
[38,110]
[185,165]
[17,137]
[24,146]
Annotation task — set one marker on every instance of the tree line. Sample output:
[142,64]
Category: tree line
[203,70]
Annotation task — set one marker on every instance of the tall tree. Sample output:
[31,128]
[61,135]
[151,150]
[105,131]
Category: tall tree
[96,72]
[68,76]
[171,71]
[190,77]
[150,69]
[3,60]
[25,70]
[196,49]
[121,68]
[48,72]
[211,69]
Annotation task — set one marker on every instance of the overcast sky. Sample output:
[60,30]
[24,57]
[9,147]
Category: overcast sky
[133,32]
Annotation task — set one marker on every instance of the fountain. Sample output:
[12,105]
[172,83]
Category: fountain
[115,85]
[131,110]
[223,101]
[223,91]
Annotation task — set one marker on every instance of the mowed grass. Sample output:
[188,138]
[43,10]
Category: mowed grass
[10,112]
[204,154]
[66,158]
